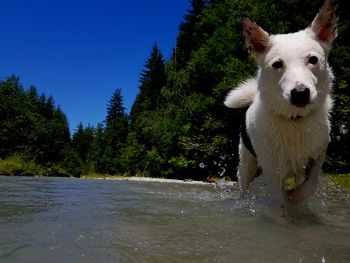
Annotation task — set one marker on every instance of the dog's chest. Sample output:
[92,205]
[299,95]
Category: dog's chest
[292,142]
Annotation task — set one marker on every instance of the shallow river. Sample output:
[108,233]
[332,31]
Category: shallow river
[73,220]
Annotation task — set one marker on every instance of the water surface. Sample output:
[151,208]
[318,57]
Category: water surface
[73,220]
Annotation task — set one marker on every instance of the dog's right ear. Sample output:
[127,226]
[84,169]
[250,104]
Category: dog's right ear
[256,38]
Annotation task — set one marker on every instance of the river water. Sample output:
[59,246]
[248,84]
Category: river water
[75,220]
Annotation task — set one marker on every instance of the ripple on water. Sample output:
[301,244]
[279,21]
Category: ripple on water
[89,221]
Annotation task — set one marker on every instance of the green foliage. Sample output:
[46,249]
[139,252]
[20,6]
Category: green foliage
[133,159]
[15,165]
[178,125]
[72,162]
[190,133]
[152,80]
[29,124]
[339,180]
[100,149]
[82,141]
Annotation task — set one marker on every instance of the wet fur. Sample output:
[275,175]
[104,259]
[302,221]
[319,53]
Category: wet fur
[290,141]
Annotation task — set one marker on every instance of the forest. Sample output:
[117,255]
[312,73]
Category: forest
[178,126]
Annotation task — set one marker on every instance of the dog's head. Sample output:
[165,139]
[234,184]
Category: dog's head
[295,76]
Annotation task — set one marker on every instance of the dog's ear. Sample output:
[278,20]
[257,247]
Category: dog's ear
[325,23]
[256,38]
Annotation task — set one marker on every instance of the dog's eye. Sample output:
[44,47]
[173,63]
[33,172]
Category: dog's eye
[277,64]
[313,60]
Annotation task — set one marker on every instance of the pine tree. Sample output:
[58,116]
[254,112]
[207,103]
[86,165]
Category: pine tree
[16,121]
[115,133]
[30,125]
[188,39]
[115,108]
[82,141]
[153,79]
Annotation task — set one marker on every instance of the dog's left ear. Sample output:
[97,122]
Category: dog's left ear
[325,23]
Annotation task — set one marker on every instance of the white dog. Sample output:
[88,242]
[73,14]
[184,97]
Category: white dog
[287,123]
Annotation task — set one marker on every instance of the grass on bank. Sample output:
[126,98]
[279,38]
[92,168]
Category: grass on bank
[16,165]
[338,181]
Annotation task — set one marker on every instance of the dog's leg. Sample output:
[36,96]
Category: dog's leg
[298,194]
[247,167]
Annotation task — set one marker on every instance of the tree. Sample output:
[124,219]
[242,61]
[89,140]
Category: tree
[153,79]
[115,133]
[16,121]
[191,133]
[30,125]
[188,39]
[82,141]
[115,108]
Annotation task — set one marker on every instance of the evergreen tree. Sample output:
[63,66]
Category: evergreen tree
[115,133]
[16,121]
[82,141]
[191,133]
[178,124]
[143,114]
[153,79]
[188,39]
[30,125]
[97,151]
[115,108]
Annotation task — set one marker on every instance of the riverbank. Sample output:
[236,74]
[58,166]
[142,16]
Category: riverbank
[340,181]
[17,166]
[155,180]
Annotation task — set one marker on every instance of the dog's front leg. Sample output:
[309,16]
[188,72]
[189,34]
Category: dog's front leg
[301,192]
[247,167]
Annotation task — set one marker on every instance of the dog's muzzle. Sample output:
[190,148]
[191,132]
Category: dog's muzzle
[300,96]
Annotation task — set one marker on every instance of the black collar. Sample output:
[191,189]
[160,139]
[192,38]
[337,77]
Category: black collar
[296,117]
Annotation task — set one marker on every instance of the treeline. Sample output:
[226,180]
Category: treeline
[31,125]
[178,126]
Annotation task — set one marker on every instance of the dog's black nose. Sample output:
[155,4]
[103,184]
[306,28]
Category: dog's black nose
[300,96]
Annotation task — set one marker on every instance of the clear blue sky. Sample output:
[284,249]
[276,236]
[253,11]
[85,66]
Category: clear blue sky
[80,51]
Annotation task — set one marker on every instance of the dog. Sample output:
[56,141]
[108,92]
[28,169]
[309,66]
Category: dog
[287,123]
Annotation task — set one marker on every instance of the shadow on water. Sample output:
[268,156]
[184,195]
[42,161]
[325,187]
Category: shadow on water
[67,220]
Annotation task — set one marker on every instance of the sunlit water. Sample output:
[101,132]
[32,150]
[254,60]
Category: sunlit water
[72,220]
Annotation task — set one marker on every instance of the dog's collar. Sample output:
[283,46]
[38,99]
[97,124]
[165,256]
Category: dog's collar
[295,117]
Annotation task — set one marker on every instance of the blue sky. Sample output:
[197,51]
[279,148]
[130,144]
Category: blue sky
[80,51]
